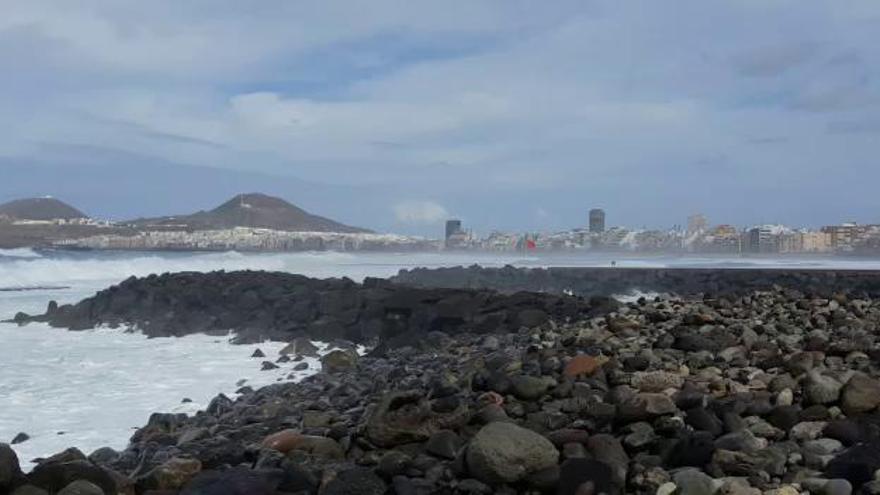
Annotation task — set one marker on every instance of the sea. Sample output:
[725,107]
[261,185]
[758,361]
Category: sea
[92,388]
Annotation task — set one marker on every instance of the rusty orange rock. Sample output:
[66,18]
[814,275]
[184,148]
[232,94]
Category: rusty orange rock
[584,365]
[284,441]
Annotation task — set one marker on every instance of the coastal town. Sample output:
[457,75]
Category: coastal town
[699,236]
[256,223]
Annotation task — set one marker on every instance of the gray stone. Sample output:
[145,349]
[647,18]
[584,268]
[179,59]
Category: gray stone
[860,394]
[339,360]
[837,487]
[506,453]
[821,389]
[529,387]
[656,381]
[693,482]
[81,487]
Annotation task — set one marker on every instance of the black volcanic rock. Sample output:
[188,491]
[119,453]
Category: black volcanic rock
[282,306]
[40,209]
[253,210]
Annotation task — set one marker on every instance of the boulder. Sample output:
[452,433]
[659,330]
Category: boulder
[860,394]
[54,476]
[821,389]
[20,438]
[339,360]
[10,470]
[173,474]
[82,487]
[503,452]
[529,387]
[300,346]
[288,441]
[693,482]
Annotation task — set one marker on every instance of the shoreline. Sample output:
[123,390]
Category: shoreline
[763,392]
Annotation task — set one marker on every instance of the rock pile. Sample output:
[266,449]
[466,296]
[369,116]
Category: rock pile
[771,393]
[604,280]
[282,306]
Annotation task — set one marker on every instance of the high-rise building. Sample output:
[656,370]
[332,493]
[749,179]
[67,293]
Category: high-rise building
[453,232]
[597,220]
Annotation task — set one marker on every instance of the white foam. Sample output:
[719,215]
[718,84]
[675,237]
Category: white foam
[19,253]
[97,386]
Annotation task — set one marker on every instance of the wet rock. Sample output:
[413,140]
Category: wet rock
[268,365]
[300,347]
[20,438]
[10,471]
[505,453]
[258,354]
[339,360]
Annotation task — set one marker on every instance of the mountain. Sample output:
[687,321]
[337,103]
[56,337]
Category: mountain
[46,208]
[254,210]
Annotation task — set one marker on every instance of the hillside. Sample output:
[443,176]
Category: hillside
[46,208]
[253,210]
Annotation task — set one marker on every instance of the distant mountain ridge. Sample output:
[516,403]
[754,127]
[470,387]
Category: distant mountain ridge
[255,210]
[40,209]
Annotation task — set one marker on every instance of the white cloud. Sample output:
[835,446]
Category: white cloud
[420,212]
[595,97]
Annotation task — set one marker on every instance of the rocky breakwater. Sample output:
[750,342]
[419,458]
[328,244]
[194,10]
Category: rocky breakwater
[773,393]
[681,281]
[281,306]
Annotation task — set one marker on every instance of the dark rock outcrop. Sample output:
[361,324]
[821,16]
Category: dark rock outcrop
[281,306]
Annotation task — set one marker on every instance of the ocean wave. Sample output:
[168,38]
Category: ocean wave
[19,253]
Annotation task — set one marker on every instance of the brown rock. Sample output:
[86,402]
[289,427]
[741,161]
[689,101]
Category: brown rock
[584,365]
[287,441]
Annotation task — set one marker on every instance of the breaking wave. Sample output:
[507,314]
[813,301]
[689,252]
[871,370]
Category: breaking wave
[19,253]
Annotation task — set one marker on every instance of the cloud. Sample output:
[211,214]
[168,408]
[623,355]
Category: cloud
[464,102]
[420,212]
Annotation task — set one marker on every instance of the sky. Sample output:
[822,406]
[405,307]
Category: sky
[397,114]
